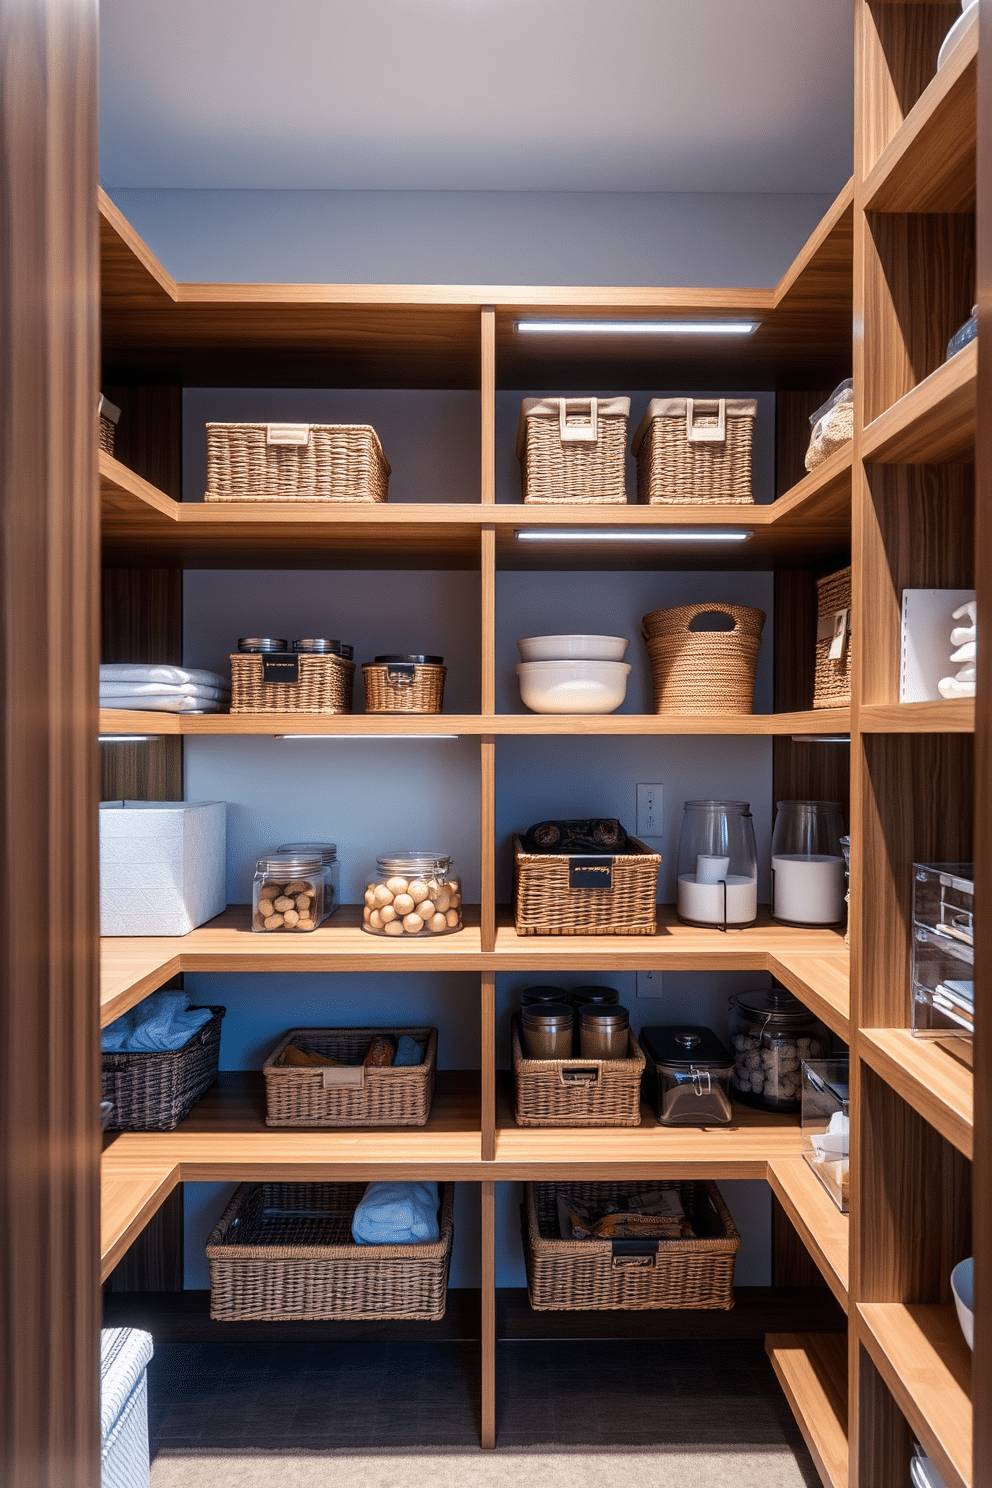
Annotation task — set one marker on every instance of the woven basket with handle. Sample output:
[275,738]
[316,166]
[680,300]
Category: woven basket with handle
[578,1092]
[325,685]
[403,687]
[703,671]
[832,687]
[572,450]
[695,450]
[283,1252]
[355,1095]
[295,462]
[585,1275]
[546,902]
[157,1090]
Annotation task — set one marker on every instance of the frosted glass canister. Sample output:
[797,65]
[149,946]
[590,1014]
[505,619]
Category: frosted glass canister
[718,864]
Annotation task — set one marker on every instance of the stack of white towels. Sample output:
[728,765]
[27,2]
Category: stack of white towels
[163,689]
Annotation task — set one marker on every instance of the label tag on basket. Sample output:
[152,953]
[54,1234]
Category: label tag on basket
[840,630]
[287,433]
[281,666]
[351,1076]
[633,1252]
[589,872]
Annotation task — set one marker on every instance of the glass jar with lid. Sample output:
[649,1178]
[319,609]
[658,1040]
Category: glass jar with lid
[288,892]
[328,854]
[771,1033]
[718,865]
[412,893]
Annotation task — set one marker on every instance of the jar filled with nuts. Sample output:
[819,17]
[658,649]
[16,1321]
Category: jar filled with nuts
[412,893]
[288,892]
[771,1033]
[328,854]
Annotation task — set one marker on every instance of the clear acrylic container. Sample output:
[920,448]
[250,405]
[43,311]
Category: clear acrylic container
[771,1034]
[827,1126]
[718,864]
[943,950]
[288,893]
[412,893]
[328,853]
[808,863]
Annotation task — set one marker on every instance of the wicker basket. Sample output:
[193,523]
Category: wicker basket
[107,429]
[578,1092]
[630,1276]
[546,902]
[295,462]
[365,1097]
[154,1092]
[572,450]
[695,450]
[403,687]
[832,688]
[326,684]
[284,1252]
[703,671]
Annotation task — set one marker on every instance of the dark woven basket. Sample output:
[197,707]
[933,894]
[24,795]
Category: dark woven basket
[154,1092]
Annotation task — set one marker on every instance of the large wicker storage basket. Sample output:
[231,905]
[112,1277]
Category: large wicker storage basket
[703,671]
[295,462]
[572,450]
[403,687]
[578,1092]
[587,1275]
[695,450]
[354,1096]
[832,688]
[107,430]
[155,1091]
[546,903]
[284,1252]
[326,684]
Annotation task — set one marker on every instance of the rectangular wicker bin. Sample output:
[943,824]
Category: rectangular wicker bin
[545,904]
[370,1096]
[577,1092]
[326,684]
[155,1091]
[284,1252]
[573,451]
[832,688]
[296,462]
[629,1276]
[695,450]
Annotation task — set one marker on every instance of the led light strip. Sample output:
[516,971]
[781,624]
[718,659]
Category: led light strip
[637,327]
[345,737]
[632,534]
[126,738]
[821,738]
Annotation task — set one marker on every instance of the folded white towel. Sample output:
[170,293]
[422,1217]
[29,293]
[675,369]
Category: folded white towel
[162,703]
[162,689]
[396,1214]
[127,671]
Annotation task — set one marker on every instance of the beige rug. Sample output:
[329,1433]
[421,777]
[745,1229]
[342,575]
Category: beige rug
[455,1467]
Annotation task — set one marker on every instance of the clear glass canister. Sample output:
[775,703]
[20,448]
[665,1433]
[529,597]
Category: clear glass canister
[771,1033]
[718,864]
[827,1125]
[412,893]
[808,863]
[288,892]
[328,854]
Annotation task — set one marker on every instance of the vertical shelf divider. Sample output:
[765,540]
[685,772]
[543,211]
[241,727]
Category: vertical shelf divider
[487,1054]
[487,1330]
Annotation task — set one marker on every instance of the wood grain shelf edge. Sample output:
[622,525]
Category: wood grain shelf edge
[934,423]
[812,1370]
[946,716]
[937,1086]
[823,1229]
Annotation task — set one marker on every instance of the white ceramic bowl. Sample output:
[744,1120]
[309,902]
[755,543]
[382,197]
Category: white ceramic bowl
[573,686]
[963,1287]
[573,648]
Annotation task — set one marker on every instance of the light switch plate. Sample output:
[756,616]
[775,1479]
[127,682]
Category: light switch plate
[650,802]
[649,984]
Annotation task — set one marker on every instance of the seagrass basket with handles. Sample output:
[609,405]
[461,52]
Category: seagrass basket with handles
[695,450]
[154,1091]
[577,1092]
[295,462]
[354,1094]
[291,682]
[284,1252]
[629,1275]
[703,671]
[832,685]
[570,894]
[572,450]
[404,684]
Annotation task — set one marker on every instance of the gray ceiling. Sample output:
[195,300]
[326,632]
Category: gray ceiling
[508,95]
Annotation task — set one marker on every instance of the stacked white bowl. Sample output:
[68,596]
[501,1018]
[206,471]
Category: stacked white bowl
[573,673]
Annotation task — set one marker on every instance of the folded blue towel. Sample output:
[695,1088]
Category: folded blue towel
[408,1052]
[396,1214]
[163,1021]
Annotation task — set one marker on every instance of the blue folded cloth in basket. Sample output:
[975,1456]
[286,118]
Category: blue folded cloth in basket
[396,1214]
[163,1021]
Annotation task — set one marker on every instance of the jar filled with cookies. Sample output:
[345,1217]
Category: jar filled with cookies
[412,893]
[288,893]
[328,854]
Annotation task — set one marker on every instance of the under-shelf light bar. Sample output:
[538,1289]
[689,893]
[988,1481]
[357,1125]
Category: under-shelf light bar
[125,738]
[343,737]
[821,738]
[633,534]
[638,327]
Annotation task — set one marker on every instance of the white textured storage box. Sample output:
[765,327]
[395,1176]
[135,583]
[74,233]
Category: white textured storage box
[124,1356]
[162,866]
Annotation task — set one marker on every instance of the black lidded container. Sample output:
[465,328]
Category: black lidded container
[687,1073]
[532,996]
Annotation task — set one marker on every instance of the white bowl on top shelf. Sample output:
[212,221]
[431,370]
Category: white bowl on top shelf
[969,12]
[963,1287]
[572,686]
[573,648]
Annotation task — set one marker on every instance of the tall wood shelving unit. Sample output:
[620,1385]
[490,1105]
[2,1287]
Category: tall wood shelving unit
[901,502]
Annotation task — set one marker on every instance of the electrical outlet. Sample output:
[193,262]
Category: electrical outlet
[649,808]
[649,984]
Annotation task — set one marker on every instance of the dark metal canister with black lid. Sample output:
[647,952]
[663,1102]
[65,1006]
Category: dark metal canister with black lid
[546,1030]
[604,1031]
[687,1075]
[594,996]
[537,996]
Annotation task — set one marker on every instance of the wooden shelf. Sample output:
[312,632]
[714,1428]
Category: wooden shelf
[822,982]
[131,968]
[823,1229]
[928,1077]
[929,165]
[130,1193]
[934,424]
[921,1354]
[812,1370]
[948,716]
